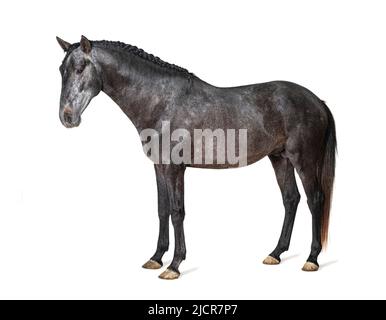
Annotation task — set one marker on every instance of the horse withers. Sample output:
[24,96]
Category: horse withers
[281,120]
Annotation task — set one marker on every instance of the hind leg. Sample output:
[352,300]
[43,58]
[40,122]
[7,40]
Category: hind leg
[308,172]
[315,200]
[285,177]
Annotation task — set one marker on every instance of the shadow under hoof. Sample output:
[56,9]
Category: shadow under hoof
[271,261]
[290,257]
[151,264]
[310,267]
[327,264]
[189,271]
[169,275]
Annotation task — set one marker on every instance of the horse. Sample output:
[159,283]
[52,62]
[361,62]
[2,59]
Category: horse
[284,121]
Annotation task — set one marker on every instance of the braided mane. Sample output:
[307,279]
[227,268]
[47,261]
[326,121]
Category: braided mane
[136,51]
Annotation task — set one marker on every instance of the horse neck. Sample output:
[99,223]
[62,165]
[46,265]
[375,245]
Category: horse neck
[137,86]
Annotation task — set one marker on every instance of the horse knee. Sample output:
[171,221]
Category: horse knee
[291,201]
[177,217]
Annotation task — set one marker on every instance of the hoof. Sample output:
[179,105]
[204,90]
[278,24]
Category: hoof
[151,264]
[271,260]
[310,266]
[169,275]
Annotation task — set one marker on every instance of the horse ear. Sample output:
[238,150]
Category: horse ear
[85,44]
[64,44]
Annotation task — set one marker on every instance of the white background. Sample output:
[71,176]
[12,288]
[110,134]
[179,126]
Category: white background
[78,214]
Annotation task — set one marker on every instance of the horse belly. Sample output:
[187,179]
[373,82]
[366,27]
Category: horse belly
[247,142]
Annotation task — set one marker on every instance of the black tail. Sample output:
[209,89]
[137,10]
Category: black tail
[328,174]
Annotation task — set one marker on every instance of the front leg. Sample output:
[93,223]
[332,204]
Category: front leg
[155,261]
[173,178]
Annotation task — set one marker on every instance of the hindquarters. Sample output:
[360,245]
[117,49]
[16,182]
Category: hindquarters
[310,147]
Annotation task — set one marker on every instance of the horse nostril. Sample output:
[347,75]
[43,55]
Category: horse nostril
[67,114]
[67,118]
[67,110]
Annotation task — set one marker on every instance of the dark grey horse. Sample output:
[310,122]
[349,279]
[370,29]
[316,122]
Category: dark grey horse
[284,121]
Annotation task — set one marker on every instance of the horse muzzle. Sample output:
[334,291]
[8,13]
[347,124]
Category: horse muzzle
[68,118]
